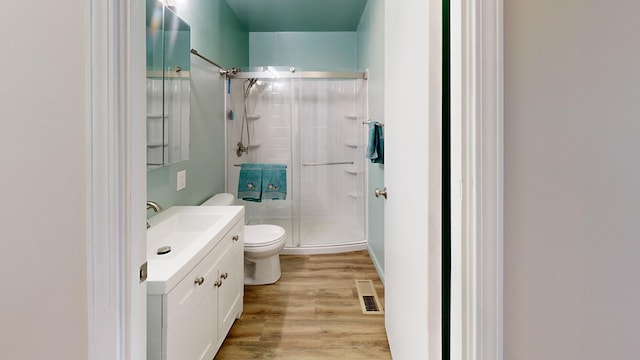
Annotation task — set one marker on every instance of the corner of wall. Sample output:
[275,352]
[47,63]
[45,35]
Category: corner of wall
[376,263]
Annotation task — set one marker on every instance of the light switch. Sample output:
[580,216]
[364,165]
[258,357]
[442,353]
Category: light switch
[182,180]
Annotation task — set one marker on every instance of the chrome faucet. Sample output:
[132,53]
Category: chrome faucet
[156,208]
[154,205]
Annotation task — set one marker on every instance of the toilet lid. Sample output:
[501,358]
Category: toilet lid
[222,199]
[262,235]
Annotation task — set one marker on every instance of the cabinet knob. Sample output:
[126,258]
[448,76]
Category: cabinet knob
[199,281]
[224,276]
[217,283]
[235,238]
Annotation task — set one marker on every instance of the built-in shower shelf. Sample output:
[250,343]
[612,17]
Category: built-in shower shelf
[351,117]
[154,116]
[351,171]
[156,144]
[254,145]
[253,116]
[354,194]
[351,143]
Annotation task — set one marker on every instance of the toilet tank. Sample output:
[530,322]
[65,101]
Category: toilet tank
[224,199]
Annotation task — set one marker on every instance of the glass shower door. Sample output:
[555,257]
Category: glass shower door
[330,138]
[262,123]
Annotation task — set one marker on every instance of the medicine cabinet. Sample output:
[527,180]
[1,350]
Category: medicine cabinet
[168,86]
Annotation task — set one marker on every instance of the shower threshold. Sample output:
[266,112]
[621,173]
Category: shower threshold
[325,249]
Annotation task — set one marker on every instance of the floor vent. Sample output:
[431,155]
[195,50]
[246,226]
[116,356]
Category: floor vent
[368,297]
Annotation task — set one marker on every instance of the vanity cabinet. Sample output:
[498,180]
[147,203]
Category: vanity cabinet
[192,320]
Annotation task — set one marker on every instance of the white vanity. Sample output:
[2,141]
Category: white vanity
[195,289]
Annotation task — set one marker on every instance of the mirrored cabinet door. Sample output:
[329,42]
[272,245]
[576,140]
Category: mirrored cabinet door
[168,86]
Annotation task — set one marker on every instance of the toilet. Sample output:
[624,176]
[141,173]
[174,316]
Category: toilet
[262,246]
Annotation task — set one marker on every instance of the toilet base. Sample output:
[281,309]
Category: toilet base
[262,271]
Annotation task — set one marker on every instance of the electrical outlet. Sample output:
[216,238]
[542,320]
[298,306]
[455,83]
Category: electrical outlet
[182,180]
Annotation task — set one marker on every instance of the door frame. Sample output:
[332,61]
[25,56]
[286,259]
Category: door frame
[477,93]
[116,179]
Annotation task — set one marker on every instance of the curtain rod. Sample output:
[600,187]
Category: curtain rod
[222,70]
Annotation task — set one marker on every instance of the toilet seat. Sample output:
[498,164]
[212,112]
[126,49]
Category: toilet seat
[262,235]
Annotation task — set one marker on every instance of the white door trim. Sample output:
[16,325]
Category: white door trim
[481,90]
[116,179]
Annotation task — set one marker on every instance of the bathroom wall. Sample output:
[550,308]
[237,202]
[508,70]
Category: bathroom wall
[321,51]
[370,54]
[217,34]
[43,142]
[571,177]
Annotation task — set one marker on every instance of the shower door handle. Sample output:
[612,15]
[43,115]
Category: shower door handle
[381,192]
[329,163]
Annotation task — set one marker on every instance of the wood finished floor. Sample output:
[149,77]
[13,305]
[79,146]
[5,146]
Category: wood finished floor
[311,313]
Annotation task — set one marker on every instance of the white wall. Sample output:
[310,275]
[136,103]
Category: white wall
[572,205]
[43,277]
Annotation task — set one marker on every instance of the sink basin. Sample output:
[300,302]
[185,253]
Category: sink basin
[183,221]
[180,237]
[178,232]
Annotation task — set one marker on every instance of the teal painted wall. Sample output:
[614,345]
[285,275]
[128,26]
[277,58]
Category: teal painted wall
[370,50]
[321,51]
[217,34]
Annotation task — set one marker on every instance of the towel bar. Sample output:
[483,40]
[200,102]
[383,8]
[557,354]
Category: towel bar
[238,165]
[318,164]
[370,121]
[329,163]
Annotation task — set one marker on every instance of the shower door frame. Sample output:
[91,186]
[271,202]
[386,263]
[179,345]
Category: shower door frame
[271,73]
[303,165]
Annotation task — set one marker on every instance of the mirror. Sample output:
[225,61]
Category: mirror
[168,86]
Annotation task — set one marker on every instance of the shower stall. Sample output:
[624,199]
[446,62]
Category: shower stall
[313,122]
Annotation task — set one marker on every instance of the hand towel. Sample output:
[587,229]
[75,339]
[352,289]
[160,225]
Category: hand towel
[250,182]
[375,149]
[274,182]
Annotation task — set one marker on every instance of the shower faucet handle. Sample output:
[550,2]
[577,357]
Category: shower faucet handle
[241,149]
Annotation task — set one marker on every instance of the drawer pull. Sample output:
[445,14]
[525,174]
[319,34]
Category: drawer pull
[217,283]
[224,276]
[199,280]
[235,238]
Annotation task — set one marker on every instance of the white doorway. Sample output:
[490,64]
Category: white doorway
[116,180]
[118,325]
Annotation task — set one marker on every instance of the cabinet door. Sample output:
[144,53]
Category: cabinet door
[191,328]
[230,294]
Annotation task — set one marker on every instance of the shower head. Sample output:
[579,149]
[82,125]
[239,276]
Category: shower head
[260,85]
[251,82]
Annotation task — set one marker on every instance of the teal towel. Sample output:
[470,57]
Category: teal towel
[250,182]
[274,182]
[375,150]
